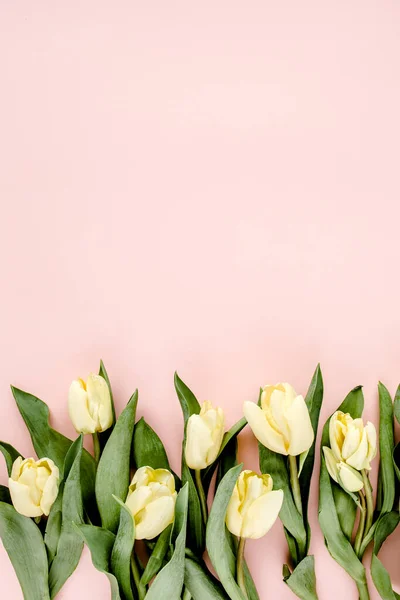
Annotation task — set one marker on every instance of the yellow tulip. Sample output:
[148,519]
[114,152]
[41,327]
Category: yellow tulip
[151,500]
[282,423]
[351,441]
[89,404]
[204,434]
[254,506]
[33,486]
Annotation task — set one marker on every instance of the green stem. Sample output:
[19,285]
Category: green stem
[363,590]
[239,566]
[294,482]
[96,446]
[361,526]
[370,502]
[202,496]
[136,578]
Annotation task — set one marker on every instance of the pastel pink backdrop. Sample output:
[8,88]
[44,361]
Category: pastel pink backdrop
[209,187]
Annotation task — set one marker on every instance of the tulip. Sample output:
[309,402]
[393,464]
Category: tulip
[282,423]
[89,405]
[204,434]
[151,500]
[352,442]
[346,476]
[254,506]
[33,486]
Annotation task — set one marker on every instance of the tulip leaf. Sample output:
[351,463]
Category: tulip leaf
[10,454]
[5,494]
[336,541]
[169,581]
[148,449]
[386,525]
[249,583]
[346,511]
[386,482]
[187,399]
[113,470]
[396,405]
[70,545]
[302,581]
[218,547]
[157,557]
[25,547]
[50,443]
[100,543]
[122,551]
[104,435]
[396,461]
[201,584]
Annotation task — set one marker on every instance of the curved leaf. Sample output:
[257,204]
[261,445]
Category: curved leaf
[219,551]
[70,545]
[25,547]
[100,543]
[157,557]
[187,399]
[148,449]
[396,405]
[104,435]
[386,447]
[381,578]
[10,454]
[113,470]
[122,551]
[302,581]
[169,581]
[202,586]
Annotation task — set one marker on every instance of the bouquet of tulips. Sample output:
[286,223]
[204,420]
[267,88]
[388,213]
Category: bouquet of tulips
[150,530]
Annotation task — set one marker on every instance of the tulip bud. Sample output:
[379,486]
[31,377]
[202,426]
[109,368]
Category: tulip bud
[351,441]
[282,423]
[89,404]
[204,434]
[254,506]
[151,500]
[346,476]
[33,486]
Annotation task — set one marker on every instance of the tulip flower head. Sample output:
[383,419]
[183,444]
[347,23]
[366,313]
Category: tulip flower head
[254,506]
[204,434]
[89,404]
[33,486]
[151,500]
[282,422]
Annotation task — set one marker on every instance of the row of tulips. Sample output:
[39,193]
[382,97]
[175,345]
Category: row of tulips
[127,493]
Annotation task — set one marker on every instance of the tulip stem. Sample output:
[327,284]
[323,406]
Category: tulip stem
[96,446]
[370,502]
[294,482]
[239,566]
[202,496]
[361,526]
[136,578]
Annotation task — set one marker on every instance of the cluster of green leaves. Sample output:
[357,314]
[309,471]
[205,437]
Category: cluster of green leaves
[296,527]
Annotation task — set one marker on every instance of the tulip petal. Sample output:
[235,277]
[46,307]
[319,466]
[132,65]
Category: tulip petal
[331,463]
[22,501]
[78,409]
[335,435]
[99,398]
[138,499]
[234,520]
[198,443]
[300,428]
[349,478]
[155,518]
[261,428]
[262,514]
[371,438]
[352,440]
[359,457]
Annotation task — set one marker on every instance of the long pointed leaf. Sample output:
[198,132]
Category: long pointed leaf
[10,455]
[148,449]
[122,551]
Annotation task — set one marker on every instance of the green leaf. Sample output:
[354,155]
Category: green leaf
[25,547]
[396,461]
[169,581]
[249,583]
[314,402]
[386,448]
[219,550]
[100,543]
[302,581]
[336,541]
[122,551]
[396,406]
[157,557]
[104,435]
[5,494]
[70,545]
[381,578]
[10,454]
[187,399]
[148,449]
[201,584]
[50,443]
[346,511]
[114,469]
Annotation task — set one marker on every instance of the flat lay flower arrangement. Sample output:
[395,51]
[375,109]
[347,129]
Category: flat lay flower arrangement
[150,530]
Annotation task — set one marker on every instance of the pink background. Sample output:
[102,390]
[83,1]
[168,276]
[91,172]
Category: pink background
[209,187]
